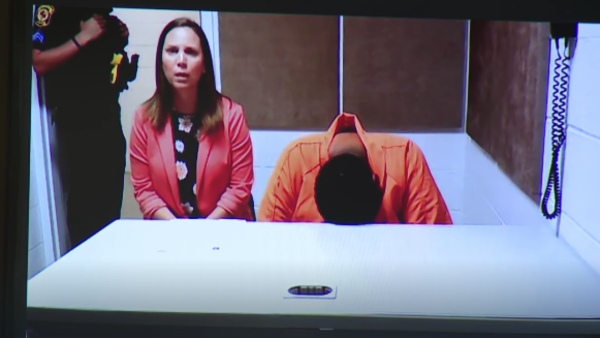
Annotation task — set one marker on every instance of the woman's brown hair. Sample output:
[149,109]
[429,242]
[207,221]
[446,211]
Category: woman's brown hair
[209,98]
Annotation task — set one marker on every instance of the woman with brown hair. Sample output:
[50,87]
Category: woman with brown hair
[190,147]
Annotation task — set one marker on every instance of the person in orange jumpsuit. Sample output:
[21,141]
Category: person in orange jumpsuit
[349,176]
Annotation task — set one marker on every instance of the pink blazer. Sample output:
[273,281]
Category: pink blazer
[225,173]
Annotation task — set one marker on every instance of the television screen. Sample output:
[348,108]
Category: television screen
[193,164]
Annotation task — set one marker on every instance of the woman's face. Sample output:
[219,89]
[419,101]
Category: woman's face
[183,62]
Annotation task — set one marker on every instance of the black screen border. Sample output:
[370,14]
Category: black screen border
[17,59]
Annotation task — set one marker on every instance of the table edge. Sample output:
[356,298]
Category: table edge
[40,316]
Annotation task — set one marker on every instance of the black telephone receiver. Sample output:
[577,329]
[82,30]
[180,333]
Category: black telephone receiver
[560,90]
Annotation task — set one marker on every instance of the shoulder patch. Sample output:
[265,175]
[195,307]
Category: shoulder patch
[43,15]
[39,37]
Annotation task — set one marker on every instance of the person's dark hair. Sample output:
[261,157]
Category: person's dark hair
[86,13]
[209,108]
[347,130]
[346,191]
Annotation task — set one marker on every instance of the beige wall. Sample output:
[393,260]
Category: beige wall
[145,26]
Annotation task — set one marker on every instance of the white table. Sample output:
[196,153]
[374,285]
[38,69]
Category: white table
[223,273]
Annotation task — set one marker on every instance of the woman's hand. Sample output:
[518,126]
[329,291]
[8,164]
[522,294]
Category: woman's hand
[218,213]
[163,214]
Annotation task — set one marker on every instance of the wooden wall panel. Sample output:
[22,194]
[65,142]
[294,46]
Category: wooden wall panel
[405,74]
[508,81]
[282,68]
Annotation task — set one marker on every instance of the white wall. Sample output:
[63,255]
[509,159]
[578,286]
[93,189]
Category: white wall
[42,251]
[488,190]
[36,255]
[145,26]
[37,258]
[580,221]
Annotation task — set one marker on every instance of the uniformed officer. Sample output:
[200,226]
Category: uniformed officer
[80,52]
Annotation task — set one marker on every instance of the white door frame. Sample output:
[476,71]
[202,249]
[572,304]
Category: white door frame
[210,25]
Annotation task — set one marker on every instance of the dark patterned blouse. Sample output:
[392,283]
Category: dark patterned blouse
[186,130]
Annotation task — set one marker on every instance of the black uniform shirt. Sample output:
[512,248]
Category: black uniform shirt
[87,81]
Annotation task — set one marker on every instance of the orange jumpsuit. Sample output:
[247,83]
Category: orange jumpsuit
[411,195]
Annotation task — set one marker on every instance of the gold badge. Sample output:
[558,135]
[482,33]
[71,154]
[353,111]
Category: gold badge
[43,15]
[116,62]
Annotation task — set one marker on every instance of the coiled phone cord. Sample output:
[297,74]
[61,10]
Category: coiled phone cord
[559,117]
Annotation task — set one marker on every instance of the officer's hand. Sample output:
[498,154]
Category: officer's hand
[135,59]
[92,29]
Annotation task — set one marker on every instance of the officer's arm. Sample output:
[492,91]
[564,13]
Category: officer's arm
[45,61]
[47,57]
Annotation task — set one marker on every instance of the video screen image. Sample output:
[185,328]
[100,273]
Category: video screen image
[180,114]
[309,172]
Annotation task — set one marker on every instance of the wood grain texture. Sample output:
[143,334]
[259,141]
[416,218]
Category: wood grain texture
[508,83]
[405,74]
[282,68]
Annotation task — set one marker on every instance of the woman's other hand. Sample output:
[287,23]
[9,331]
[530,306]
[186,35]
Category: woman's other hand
[218,213]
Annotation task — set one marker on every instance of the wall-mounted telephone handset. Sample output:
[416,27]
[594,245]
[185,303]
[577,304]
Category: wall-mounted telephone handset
[560,90]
